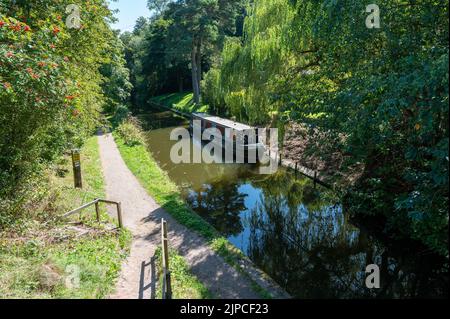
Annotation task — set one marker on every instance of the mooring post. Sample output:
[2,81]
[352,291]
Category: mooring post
[76,162]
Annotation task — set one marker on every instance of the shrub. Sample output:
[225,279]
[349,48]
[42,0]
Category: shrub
[131,132]
[50,90]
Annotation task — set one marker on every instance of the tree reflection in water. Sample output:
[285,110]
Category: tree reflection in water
[294,231]
[309,247]
[220,203]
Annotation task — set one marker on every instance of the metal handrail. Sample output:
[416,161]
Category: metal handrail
[96,202]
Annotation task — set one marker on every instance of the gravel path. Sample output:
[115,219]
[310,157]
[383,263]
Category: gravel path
[142,216]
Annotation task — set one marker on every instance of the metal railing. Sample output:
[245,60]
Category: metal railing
[166,282]
[97,202]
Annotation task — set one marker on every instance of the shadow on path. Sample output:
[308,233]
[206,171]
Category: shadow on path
[152,285]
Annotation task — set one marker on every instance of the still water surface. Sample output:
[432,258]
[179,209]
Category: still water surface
[296,232]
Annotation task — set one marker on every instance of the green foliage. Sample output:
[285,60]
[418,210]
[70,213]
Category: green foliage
[52,89]
[179,101]
[116,86]
[33,97]
[36,269]
[122,113]
[248,71]
[157,5]
[212,95]
[153,71]
[51,96]
[130,132]
[39,253]
[169,52]
[379,97]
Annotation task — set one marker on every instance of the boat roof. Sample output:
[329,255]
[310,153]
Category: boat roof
[223,122]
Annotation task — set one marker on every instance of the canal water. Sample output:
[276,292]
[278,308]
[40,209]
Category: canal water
[295,232]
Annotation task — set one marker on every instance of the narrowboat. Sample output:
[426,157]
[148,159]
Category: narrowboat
[244,138]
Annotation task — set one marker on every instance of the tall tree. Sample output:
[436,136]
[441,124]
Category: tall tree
[158,5]
[196,25]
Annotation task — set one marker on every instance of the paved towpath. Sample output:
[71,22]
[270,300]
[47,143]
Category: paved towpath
[142,216]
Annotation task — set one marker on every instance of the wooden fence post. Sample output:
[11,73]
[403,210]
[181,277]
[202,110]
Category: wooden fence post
[76,162]
[119,214]
[97,211]
[167,292]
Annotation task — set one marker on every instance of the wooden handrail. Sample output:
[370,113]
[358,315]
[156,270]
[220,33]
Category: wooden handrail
[80,208]
[97,209]
[167,282]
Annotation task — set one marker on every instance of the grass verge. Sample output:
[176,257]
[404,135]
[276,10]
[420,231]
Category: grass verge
[184,284]
[47,258]
[183,102]
[166,193]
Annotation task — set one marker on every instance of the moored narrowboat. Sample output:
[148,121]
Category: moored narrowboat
[244,138]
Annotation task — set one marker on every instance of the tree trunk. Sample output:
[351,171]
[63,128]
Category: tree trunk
[199,68]
[195,86]
[180,83]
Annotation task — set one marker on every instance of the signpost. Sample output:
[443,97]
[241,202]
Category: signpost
[76,162]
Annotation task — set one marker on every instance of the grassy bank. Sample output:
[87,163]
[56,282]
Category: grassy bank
[161,188]
[158,184]
[48,258]
[183,102]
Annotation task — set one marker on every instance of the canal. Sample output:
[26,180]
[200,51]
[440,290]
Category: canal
[297,233]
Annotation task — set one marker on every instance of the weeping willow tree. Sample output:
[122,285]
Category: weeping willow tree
[379,96]
[250,67]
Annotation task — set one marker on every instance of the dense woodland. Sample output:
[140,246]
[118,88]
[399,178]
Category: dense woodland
[379,97]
